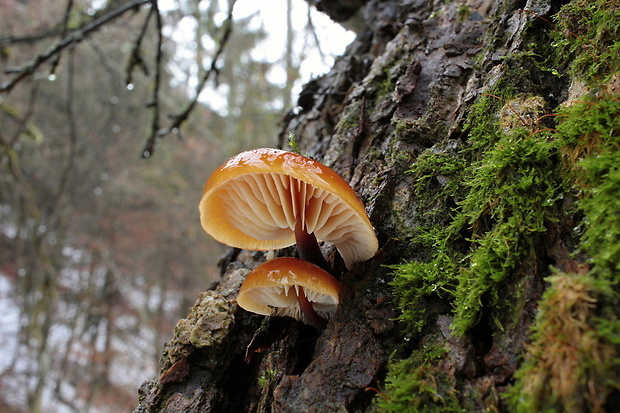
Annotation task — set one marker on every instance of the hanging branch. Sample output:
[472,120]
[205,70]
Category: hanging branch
[65,30]
[179,119]
[154,103]
[135,59]
[74,37]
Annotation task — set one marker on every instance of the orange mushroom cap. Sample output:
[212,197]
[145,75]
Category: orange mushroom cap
[273,288]
[254,200]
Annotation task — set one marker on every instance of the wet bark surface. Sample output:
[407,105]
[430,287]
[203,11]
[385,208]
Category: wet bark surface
[412,63]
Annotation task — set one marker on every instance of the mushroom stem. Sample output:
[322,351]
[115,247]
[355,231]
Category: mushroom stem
[308,247]
[312,316]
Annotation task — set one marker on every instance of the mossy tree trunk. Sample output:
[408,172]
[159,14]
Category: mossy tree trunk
[482,137]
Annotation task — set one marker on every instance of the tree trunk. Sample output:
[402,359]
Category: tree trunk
[436,116]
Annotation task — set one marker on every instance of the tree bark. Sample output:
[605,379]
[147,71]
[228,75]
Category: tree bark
[406,86]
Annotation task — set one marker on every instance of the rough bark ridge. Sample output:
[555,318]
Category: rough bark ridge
[405,85]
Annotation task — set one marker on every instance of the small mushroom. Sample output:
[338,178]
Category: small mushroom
[268,199]
[291,287]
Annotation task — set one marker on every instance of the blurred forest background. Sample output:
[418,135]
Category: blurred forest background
[101,252]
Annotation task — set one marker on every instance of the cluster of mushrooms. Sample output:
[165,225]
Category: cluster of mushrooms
[267,199]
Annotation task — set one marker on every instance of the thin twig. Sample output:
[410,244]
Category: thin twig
[9,39]
[75,37]
[179,119]
[135,59]
[154,104]
[65,30]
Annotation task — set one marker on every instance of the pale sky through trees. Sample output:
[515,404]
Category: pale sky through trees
[332,40]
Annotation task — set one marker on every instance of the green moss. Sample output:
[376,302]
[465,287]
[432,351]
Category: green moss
[291,140]
[416,282]
[437,174]
[484,116]
[507,185]
[267,378]
[572,362]
[506,195]
[502,198]
[586,35]
[513,192]
[419,384]
[590,135]
[437,183]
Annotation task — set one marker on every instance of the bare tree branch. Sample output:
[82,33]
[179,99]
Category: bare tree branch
[180,118]
[65,30]
[30,38]
[154,103]
[74,37]
[135,59]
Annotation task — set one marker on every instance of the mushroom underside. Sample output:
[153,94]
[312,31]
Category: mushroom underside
[268,206]
[283,301]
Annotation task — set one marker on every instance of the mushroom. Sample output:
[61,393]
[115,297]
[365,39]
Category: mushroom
[291,287]
[268,199]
